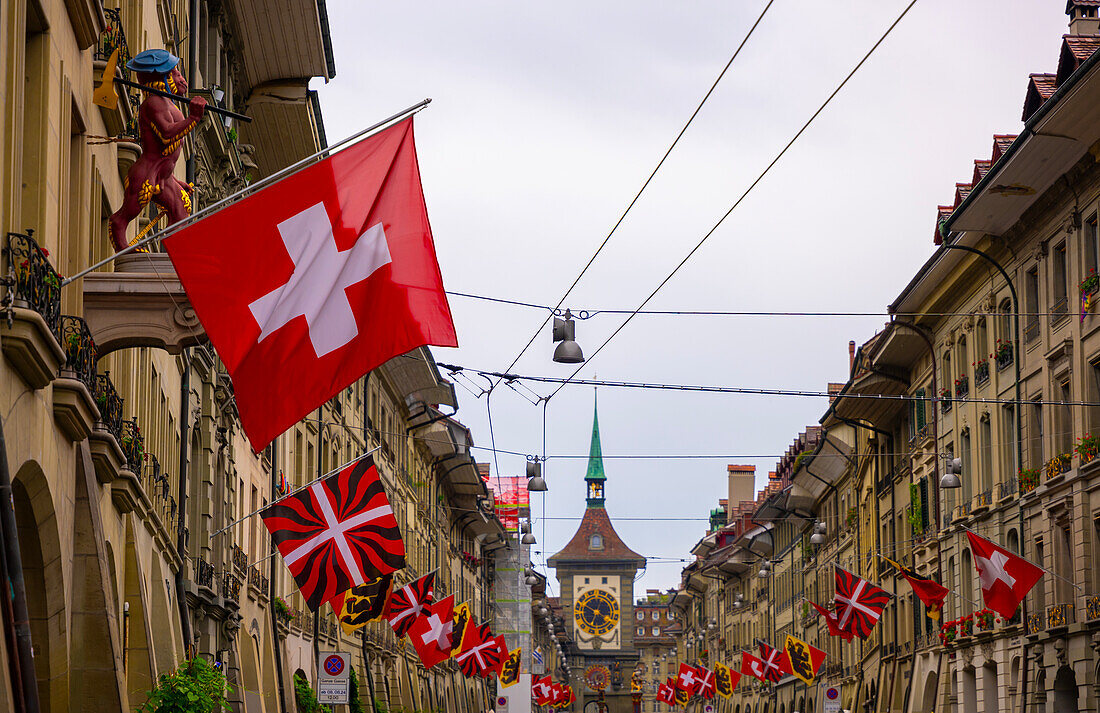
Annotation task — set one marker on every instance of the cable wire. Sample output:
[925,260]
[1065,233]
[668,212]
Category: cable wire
[742,197]
[644,185]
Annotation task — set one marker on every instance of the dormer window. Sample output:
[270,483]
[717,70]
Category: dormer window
[595,542]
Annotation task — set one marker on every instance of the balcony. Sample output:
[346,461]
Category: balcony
[960,513]
[107,455]
[31,332]
[982,502]
[1028,480]
[962,387]
[1092,607]
[1059,616]
[73,405]
[240,559]
[1031,331]
[1008,489]
[231,587]
[981,373]
[123,119]
[204,573]
[1003,356]
[1058,466]
[133,445]
[1035,624]
[1059,310]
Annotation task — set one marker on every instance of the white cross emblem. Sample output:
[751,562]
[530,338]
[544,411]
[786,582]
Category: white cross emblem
[336,531]
[687,680]
[770,663]
[993,569]
[417,609]
[439,632]
[315,289]
[854,603]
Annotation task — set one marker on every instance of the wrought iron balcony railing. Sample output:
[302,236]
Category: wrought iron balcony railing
[133,445]
[34,283]
[240,559]
[231,586]
[1031,331]
[80,350]
[109,403]
[115,38]
[204,573]
[1004,357]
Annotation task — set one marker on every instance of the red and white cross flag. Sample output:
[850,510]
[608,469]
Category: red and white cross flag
[432,635]
[688,679]
[752,666]
[409,603]
[337,533]
[306,285]
[1006,577]
[776,663]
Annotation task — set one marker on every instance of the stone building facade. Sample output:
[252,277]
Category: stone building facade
[123,445]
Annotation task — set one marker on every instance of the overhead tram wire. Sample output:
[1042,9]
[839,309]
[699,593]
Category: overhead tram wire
[747,191]
[644,185]
[757,313]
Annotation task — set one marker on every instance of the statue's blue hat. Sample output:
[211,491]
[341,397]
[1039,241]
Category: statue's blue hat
[153,62]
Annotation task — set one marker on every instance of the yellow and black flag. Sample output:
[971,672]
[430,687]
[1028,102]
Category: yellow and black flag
[931,592]
[509,672]
[682,697]
[363,604]
[805,660]
[461,619]
[725,679]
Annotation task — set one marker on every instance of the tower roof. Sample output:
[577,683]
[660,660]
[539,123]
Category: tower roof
[611,548]
[595,450]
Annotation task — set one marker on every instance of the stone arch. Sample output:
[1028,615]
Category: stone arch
[927,701]
[801,705]
[1014,684]
[40,552]
[1065,691]
[782,708]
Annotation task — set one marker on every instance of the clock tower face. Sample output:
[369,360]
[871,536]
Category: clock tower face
[597,615]
[597,612]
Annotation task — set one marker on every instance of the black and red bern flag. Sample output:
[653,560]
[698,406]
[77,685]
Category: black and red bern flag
[337,533]
[859,603]
[308,284]
[410,602]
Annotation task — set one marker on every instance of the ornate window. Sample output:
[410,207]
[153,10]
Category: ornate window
[595,542]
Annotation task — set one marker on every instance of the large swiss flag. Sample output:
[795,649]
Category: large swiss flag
[1006,577]
[306,285]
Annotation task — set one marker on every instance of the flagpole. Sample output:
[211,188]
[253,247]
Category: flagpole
[273,178]
[292,492]
[1037,566]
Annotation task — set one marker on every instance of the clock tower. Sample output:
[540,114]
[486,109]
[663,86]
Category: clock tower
[596,573]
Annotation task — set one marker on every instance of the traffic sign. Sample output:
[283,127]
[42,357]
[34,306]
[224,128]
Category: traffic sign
[333,670]
[830,700]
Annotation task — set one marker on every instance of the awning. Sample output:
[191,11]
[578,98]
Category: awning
[824,467]
[463,476]
[705,545]
[282,39]
[759,540]
[860,402]
[899,348]
[416,378]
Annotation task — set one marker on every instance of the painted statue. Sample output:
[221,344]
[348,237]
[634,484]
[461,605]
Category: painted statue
[162,128]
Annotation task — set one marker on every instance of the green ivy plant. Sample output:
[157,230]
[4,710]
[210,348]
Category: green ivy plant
[194,687]
[305,698]
[354,704]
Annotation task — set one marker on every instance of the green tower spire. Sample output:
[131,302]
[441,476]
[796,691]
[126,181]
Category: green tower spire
[595,477]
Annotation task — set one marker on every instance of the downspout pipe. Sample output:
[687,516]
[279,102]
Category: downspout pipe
[271,594]
[13,563]
[181,524]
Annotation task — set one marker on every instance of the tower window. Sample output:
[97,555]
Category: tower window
[596,543]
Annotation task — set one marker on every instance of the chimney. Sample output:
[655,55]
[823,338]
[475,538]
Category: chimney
[1083,18]
[851,354]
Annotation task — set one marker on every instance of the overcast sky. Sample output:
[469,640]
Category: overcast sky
[547,117]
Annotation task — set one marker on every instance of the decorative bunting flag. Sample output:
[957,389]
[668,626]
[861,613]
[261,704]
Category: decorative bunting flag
[431,635]
[481,655]
[666,693]
[775,661]
[831,622]
[752,666]
[688,679]
[502,657]
[410,602]
[1006,577]
[859,603]
[509,673]
[363,603]
[725,680]
[337,533]
[541,689]
[705,690]
[804,660]
[461,623]
[931,592]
